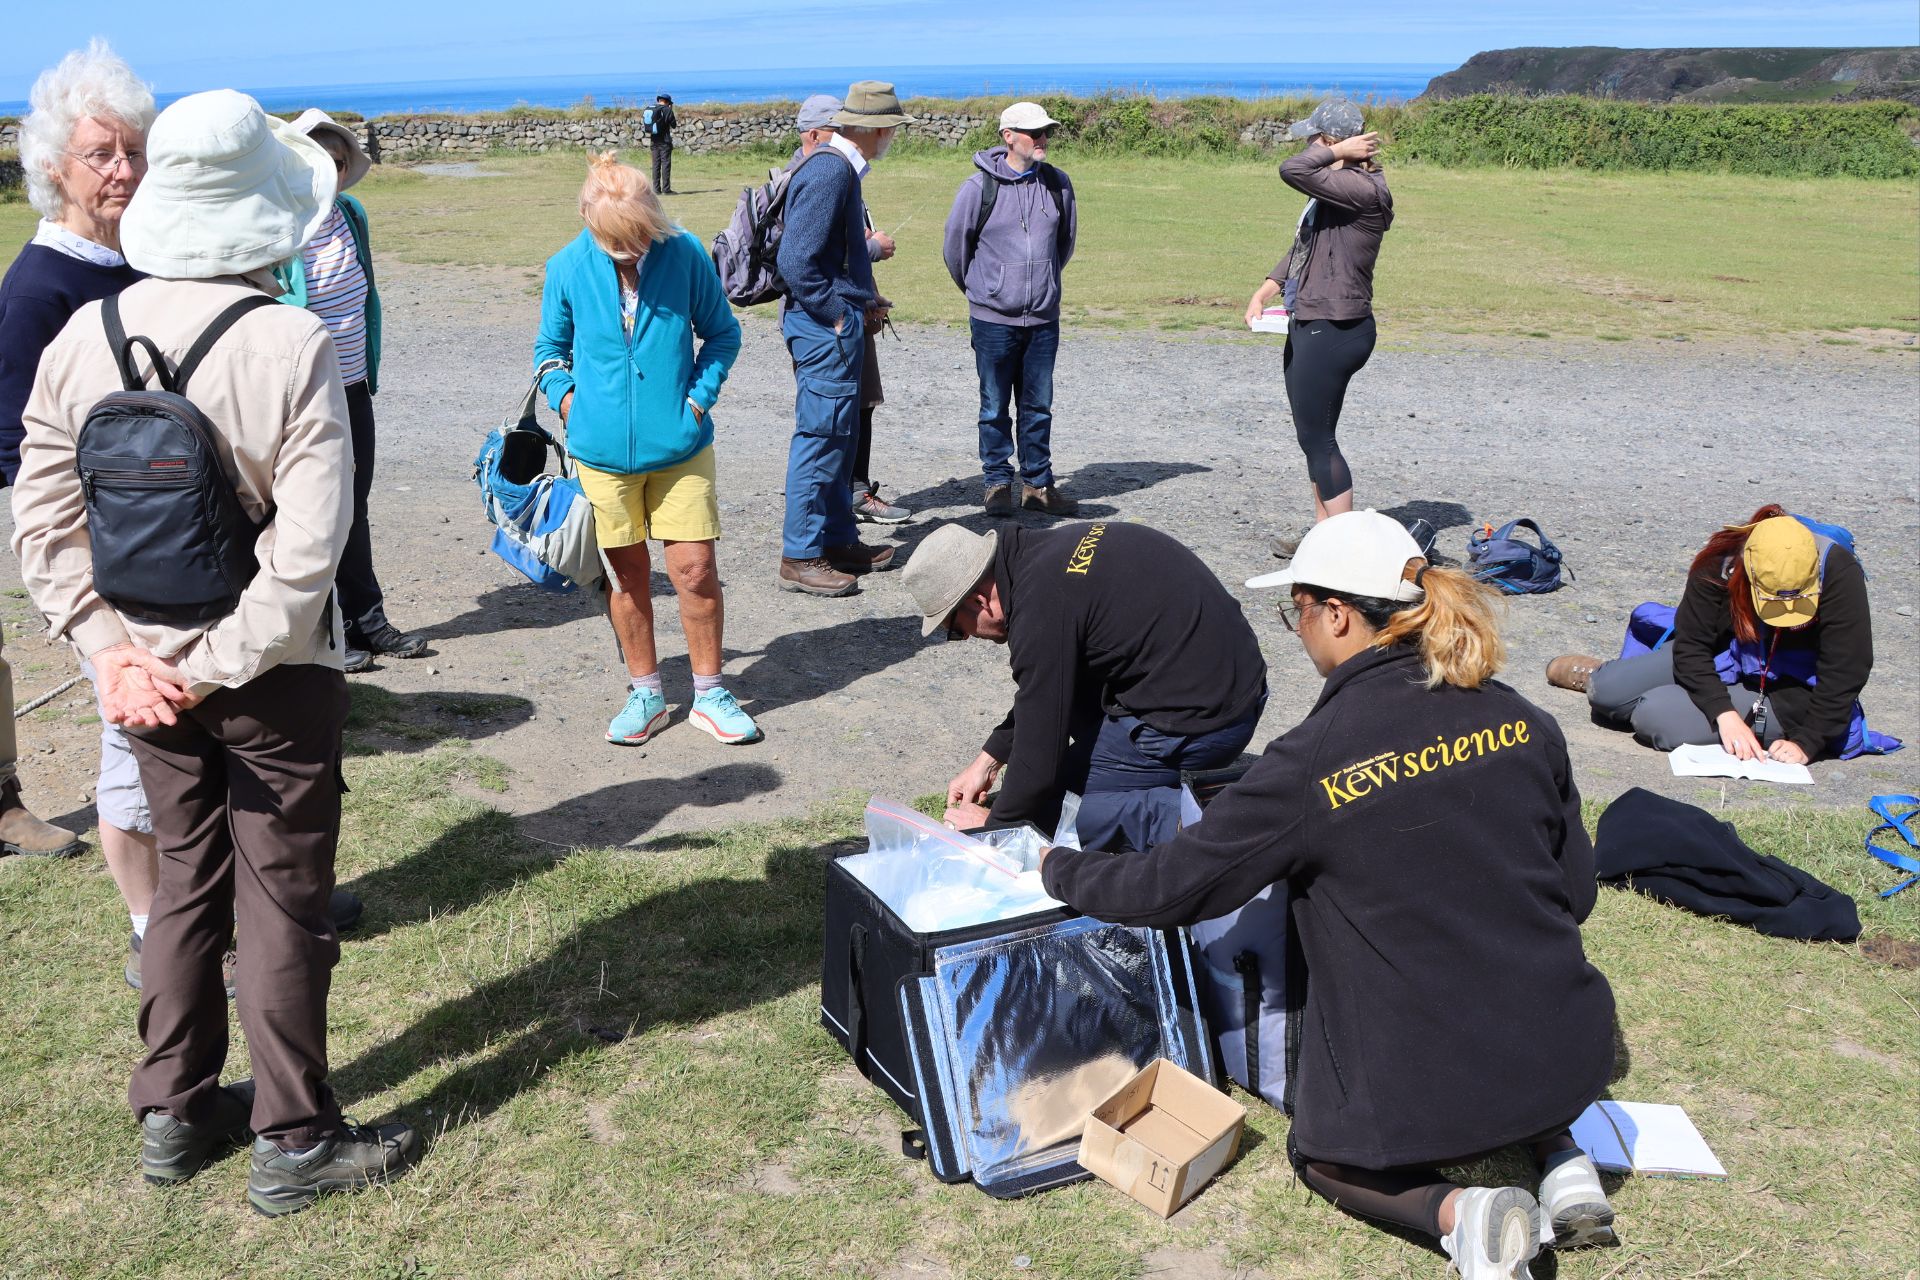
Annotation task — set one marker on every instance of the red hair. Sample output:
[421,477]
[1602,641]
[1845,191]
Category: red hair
[1727,545]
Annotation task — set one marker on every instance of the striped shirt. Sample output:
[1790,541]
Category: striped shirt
[337,293]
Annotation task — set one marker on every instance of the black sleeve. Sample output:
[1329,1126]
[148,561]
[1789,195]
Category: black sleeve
[1846,654]
[999,743]
[1254,834]
[27,326]
[1045,667]
[1701,629]
[1574,849]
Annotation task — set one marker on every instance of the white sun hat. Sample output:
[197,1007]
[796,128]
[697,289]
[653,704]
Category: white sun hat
[1360,553]
[314,121]
[228,190]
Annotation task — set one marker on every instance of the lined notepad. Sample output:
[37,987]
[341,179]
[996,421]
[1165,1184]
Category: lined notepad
[1653,1139]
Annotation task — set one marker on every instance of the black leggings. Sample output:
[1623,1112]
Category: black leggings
[1321,358]
[1409,1196]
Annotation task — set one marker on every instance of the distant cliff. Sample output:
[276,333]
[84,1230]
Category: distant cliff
[1691,75]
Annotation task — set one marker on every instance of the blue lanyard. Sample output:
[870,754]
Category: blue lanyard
[1896,822]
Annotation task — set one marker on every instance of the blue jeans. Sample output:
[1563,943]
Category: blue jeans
[826,423]
[1128,775]
[1015,363]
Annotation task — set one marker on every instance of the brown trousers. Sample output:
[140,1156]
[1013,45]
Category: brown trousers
[245,794]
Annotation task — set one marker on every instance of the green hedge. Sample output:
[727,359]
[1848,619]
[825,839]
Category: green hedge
[1866,140]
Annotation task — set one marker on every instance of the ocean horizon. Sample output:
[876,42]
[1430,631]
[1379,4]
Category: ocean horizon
[1387,81]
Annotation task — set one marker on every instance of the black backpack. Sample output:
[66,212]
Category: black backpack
[171,542]
[990,192]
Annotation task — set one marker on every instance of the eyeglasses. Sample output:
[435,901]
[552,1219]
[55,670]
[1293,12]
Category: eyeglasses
[1293,614]
[107,163]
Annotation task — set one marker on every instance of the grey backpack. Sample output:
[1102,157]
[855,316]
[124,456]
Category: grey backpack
[746,251]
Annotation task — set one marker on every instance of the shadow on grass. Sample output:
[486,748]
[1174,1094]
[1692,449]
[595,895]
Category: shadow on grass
[681,956]
[381,721]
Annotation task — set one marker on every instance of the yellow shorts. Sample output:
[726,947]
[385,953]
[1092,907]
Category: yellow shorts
[675,504]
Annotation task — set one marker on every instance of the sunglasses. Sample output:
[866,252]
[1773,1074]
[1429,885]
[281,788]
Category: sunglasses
[1038,135]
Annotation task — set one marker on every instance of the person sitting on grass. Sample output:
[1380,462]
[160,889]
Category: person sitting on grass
[621,308]
[1425,820]
[1772,645]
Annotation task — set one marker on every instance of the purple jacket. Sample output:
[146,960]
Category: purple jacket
[1012,276]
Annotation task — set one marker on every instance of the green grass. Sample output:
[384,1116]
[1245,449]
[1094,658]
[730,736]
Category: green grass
[1179,244]
[616,1053]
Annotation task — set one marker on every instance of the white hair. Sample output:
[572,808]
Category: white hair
[94,81]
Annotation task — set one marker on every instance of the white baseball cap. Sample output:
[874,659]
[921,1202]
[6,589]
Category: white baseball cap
[1026,115]
[1361,553]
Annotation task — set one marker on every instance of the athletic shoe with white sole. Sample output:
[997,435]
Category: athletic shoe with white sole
[718,713]
[1496,1232]
[1573,1206]
[644,715]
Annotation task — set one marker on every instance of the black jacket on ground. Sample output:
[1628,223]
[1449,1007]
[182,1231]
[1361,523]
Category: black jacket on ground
[1114,617]
[1684,856]
[1814,718]
[1439,871]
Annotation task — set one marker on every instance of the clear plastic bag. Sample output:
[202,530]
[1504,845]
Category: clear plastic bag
[936,879]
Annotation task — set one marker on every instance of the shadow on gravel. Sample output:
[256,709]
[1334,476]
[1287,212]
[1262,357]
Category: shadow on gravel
[1087,484]
[521,606]
[681,957]
[800,666]
[477,858]
[380,721]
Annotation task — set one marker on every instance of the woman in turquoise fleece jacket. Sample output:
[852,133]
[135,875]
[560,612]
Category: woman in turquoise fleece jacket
[618,317]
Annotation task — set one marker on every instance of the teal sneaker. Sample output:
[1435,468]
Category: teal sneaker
[718,713]
[644,715]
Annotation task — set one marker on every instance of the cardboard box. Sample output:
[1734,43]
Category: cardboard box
[1162,1137]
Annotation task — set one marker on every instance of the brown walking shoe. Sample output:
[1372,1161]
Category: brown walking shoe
[23,834]
[860,557]
[999,500]
[1572,671]
[1049,500]
[815,577]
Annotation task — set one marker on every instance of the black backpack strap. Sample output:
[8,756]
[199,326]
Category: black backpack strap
[1050,179]
[131,378]
[213,333]
[989,192]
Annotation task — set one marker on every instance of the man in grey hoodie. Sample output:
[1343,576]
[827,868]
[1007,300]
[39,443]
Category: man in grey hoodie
[1009,236]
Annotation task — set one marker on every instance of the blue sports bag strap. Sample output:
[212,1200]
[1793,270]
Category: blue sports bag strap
[1896,822]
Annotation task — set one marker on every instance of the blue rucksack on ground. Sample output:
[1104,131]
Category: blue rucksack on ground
[1501,558]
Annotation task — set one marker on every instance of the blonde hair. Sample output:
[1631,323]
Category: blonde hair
[621,209]
[1453,623]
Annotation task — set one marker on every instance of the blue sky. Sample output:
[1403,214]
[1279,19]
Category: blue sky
[197,44]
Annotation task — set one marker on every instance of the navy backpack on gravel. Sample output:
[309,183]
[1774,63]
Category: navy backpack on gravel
[1501,558]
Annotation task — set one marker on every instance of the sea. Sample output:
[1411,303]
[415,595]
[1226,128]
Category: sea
[1384,82]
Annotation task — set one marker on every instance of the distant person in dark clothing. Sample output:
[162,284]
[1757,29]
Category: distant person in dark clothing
[1425,820]
[1326,281]
[660,123]
[1772,645]
[831,305]
[1130,663]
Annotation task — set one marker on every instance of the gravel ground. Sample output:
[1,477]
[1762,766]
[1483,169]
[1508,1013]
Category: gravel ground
[1629,455]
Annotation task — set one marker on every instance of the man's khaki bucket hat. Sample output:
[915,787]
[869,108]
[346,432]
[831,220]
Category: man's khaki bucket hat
[943,569]
[871,104]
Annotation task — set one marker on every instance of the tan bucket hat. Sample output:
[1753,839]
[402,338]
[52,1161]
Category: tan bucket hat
[313,122]
[944,568]
[871,104]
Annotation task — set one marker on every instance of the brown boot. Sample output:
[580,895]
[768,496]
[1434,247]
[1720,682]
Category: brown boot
[1049,500]
[1572,671]
[861,557]
[999,500]
[22,833]
[815,577]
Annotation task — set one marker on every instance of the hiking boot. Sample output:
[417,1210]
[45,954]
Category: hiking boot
[392,641]
[358,1156]
[1573,1206]
[345,910]
[860,557]
[644,715]
[1496,1232]
[132,971]
[816,577]
[1049,500]
[1572,671]
[172,1150]
[999,500]
[870,508]
[23,834]
[357,660]
[719,714]
[1285,544]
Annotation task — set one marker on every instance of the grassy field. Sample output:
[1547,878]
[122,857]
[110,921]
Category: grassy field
[617,1056]
[1180,244]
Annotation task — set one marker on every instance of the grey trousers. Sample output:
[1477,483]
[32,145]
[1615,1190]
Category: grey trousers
[1638,693]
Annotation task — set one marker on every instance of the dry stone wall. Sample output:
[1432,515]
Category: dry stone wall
[421,137]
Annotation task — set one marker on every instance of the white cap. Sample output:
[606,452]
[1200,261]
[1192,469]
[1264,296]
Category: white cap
[1026,115]
[1361,553]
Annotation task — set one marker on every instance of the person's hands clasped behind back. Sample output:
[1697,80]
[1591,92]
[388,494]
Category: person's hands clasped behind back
[138,689]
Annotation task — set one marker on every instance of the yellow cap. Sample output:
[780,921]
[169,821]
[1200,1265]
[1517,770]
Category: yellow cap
[1783,571]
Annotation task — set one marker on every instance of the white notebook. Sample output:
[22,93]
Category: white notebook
[1717,762]
[1653,1139]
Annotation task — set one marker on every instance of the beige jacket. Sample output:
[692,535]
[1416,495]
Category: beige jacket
[271,387]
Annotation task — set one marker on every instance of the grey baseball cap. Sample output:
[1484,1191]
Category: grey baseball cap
[818,112]
[1336,117]
[944,568]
